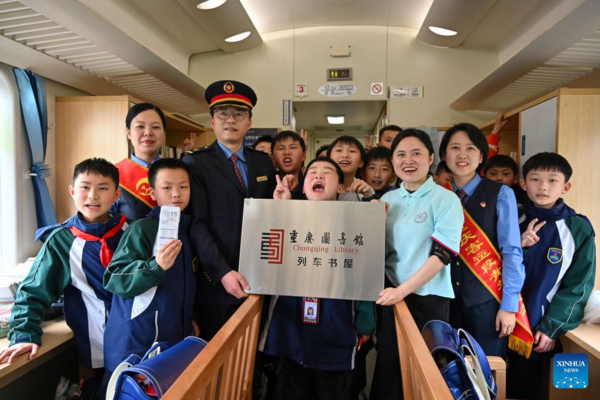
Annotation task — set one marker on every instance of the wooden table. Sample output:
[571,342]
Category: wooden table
[57,338]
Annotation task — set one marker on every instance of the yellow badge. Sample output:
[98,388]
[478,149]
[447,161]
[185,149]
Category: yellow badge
[228,87]
[262,178]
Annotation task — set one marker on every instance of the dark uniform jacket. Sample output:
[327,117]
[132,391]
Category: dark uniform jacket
[217,206]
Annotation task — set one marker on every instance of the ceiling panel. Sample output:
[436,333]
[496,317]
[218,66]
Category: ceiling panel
[579,59]
[274,15]
[30,28]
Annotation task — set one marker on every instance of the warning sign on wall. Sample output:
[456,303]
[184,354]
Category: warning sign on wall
[377,89]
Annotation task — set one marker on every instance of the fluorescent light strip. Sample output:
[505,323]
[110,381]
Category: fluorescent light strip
[335,119]
[210,4]
[442,31]
[238,38]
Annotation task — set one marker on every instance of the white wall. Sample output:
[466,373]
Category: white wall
[445,74]
[379,54]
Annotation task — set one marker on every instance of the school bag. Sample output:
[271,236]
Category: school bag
[150,377]
[449,346]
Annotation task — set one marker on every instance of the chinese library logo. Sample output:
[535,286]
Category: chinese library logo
[271,246]
[570,371]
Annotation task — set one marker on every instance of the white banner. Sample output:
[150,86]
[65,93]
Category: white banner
[324,249]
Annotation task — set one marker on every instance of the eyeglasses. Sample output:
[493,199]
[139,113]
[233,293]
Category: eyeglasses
[237,115]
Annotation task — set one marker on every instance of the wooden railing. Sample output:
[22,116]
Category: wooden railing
[224,369]
[421,377]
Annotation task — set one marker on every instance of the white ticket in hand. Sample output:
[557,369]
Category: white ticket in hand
[168,225]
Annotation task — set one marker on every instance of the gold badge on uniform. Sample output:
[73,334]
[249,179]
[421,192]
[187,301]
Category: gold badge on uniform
[228,87]
[195,264]
[262,178]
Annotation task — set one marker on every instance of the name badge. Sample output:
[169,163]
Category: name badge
[310,310]
[262,178]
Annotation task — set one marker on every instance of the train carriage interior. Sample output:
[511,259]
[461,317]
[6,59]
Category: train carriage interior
[326,68]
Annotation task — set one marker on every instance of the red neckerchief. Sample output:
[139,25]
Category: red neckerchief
[106,253]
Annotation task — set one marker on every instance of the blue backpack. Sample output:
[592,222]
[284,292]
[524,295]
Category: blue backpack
[449,347]
[151,376]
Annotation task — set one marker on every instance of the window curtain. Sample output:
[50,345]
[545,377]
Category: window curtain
[32,93]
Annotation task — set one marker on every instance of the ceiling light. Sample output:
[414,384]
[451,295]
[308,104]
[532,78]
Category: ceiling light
[442,31]
[335,119]
[210,4]
[238,38]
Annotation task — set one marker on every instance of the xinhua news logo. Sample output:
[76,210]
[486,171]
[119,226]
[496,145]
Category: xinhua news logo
[570,371]
[271,246]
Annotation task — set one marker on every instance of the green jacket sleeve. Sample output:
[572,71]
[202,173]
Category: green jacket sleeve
[365,317]
[565,311]
[133,269]
[49,276]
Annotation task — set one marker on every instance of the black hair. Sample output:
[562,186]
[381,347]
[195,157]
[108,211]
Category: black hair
[501,161]
[349,140]
[283,135]
[394,128]
[166,163]
[263,139]
[378,153]
[416,133]
[441,168]
[338,169]
[212,110]
[140,108]
[97,166]
[548,162]
[475,135]
[324,147]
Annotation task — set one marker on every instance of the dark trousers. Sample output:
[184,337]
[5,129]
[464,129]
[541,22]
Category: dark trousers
[212,318]
[95,387]
[480,322]
[301,383]
[359,373]
[527,379]
[387,378]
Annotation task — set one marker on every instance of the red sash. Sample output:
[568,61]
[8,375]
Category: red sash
[481,257]
[134,179]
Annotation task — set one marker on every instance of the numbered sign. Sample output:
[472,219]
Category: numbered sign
[301,89]
[338,90]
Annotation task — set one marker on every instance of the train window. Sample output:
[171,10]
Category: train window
[17,206]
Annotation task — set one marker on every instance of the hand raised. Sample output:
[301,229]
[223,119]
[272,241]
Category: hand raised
[530,236]
[188,144]
[166,255]
[499,123]
[282,190]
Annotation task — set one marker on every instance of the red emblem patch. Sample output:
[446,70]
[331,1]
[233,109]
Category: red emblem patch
[228,87]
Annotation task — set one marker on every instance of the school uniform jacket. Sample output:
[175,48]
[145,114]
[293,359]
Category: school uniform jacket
[329,345]
[560,269]
[150,304]
[71,266]
[217,206]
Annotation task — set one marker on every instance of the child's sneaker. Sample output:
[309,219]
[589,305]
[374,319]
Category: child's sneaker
[67,390]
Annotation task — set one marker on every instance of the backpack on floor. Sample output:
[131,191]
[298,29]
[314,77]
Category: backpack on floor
[150,377]
[449,346]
